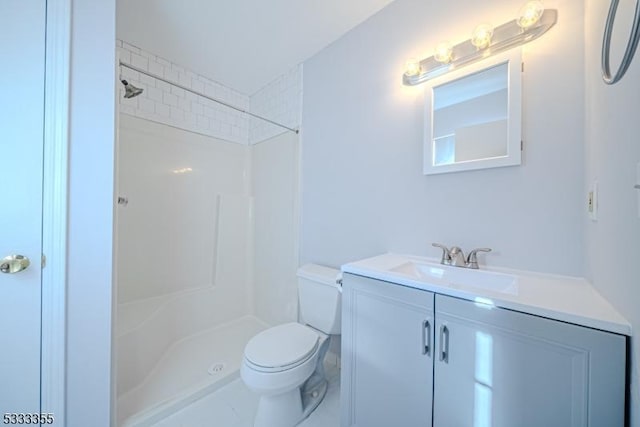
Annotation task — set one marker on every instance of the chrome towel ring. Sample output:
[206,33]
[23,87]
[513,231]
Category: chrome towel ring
[634,37]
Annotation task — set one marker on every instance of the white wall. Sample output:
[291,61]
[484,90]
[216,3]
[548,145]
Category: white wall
[275,230]
[612,156]
[363,191]
[90,228]
[187,220]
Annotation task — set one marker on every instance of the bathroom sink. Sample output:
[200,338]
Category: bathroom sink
[457,277]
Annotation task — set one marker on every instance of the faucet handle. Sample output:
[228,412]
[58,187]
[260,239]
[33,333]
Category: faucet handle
[446,255]
[472,258]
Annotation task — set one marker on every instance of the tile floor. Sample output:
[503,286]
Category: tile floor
[234,406]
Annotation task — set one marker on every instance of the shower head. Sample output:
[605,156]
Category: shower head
[130,90]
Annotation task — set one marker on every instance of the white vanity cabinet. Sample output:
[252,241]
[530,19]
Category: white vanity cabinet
[504,368]
[486,366]
[387,350]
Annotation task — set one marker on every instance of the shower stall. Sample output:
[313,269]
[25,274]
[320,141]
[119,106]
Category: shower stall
[205,259]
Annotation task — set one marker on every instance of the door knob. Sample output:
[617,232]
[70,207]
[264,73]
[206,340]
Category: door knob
[14,264]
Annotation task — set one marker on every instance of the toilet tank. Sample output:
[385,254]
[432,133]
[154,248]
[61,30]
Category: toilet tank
[320,295]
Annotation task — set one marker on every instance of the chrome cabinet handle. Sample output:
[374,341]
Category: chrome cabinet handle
[14,264]
[444,344]
[426,337]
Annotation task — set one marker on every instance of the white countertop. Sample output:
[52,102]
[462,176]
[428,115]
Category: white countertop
[568,299]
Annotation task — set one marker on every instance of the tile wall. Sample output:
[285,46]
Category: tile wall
[280,100]
[163,103]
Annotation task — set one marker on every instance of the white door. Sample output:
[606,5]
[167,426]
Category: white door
[387,348]
[22,53]
[503,369]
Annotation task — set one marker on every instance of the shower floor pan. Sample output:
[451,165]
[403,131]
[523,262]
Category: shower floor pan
[190,369]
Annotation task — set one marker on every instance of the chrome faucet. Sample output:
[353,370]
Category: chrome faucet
[455,257]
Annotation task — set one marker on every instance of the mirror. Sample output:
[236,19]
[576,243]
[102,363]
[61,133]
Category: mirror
[473,118]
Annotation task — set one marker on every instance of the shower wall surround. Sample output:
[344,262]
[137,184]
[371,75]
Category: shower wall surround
[187,223]
[160,102]
[193,197]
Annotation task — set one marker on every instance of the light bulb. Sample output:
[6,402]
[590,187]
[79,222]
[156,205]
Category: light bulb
[530,13]
[444,52]
[481,36]
[412,67]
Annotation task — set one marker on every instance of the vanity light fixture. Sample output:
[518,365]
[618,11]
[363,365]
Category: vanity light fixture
[481,36]
[412,67]
[444,52]
[530,13]
[532,22]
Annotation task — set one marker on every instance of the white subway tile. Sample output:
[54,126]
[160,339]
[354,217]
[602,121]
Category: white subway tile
[197,108]
[156,68]
[177,91]
[209,90]
[147,55]
[170,99]
[190,119]
[197,85]
[127,109]
[184,104]
[184,80]
[149,81]
[139,61]
[191,97]
[177,115]
[202,122]
[147,105]
[168,104]
[154,94]
[129,74]
[210,112]
[148,116]
[163,110]
[132,102]
[177,68]
[163,62]
[165,87]
[222,93]
[171,75]
[124,55]
[130,47]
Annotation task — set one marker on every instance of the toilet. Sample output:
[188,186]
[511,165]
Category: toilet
[284,364]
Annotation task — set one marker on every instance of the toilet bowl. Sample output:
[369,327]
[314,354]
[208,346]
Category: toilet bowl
[279,364]
[284,364]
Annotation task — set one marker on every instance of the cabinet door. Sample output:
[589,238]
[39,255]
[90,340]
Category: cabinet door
[502,368]
[387,347]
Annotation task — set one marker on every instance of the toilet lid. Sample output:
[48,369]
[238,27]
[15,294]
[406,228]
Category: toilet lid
[281,346]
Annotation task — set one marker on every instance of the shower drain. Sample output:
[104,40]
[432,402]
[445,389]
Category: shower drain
[216,368]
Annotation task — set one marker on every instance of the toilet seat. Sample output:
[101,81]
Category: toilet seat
[281,348]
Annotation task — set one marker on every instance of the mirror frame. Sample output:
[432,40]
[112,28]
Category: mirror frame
[513,59]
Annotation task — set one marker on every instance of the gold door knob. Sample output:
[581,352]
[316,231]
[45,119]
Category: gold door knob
[14,264]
